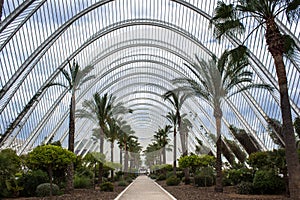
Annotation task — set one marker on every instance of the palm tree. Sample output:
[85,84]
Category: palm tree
[161,138]
[228,20]
[75,78]
[112,134]
[172,117]
[100,110]
[177,98]
[217,80]
[126,135]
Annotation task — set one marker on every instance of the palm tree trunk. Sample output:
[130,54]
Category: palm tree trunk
[174,151]
[184,151]
[100,175]
[218,117]
[275,43]
[112,159]
[164,155]
[70,168]
[121,157]
[126,160]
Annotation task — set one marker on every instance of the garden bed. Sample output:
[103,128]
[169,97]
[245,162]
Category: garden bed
[190,192]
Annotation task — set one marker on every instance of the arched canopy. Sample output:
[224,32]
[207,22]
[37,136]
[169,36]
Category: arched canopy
[137,48]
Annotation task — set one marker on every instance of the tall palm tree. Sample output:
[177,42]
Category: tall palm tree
[172,118]
[177,98]
[162,139]
[112,134]
[217,80]
[124,139]
[134,148]
[75,78]
[228,20]
[100,110]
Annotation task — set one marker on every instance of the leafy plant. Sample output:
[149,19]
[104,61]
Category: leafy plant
[245,188]
[107,187]
[173,181]
[82,182]
[44,190]
[31,180]
[268,182]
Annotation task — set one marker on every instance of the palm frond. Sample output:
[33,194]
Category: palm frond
[251,86]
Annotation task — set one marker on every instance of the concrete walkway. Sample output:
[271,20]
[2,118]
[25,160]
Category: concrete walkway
[144,188]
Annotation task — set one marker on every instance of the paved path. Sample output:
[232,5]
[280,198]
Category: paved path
[143,188]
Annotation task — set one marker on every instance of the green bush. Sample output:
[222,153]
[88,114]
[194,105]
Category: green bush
[267,182]
[31,180]
[172,181]
[107,187]
[152,176]
[128,179]
[82,182]
[245,188]
[43,190]
[203,180]
[180,174]
[236,176]
[122,183]
[161,177]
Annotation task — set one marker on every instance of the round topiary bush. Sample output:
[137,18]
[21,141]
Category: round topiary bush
[43,190]
[107,187]
[203,180]
[267,182]
[245,188]
[161,177]
[172,181]
[122,183]
[82,182]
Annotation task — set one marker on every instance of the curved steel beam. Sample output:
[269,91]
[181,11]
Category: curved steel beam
[15,14]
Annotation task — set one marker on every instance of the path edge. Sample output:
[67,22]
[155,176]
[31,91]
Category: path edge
[165,191]
[119,196]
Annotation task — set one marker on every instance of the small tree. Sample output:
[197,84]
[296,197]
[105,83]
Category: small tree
[49,158]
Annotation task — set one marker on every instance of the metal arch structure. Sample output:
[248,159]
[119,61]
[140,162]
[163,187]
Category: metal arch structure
[27,64]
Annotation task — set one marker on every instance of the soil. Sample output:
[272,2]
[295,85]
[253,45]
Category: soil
[190,192]
[81,194]
[181,192]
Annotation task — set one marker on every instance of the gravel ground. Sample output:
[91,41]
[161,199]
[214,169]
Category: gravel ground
[190,192]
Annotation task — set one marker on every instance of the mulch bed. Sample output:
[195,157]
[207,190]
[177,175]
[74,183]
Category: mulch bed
[181,192]
[82,194]
[190,192]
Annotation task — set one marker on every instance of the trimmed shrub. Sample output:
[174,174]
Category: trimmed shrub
[245,188]
[173,181]
[203,180]
[43,190]
[31,180]
[128,179]
[122,183]
[267,182]
[161,177]
[107,187]
[152,176]
[180,174]
[236,176]
[82,182]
